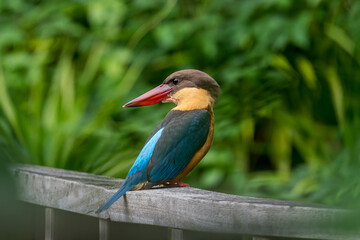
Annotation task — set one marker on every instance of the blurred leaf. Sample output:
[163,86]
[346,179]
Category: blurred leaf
[336,92]
[280,62]
[340,37]
[307,71]
[7,106]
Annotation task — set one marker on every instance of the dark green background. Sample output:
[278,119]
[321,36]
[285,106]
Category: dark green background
[287,122]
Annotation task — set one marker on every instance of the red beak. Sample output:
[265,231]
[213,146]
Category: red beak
[151,97]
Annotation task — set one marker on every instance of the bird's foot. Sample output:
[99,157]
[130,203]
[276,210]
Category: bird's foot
[175,184]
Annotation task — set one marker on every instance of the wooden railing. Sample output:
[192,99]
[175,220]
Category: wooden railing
[179,209]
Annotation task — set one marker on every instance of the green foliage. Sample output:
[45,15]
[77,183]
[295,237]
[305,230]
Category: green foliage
[287,121]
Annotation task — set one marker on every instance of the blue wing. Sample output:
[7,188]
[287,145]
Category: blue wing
[142,160]
[137,172]
[184,134]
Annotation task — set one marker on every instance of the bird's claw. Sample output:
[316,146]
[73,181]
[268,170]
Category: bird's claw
[175,184]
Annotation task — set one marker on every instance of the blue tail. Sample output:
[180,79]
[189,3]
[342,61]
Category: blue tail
[137,172]
[128,184]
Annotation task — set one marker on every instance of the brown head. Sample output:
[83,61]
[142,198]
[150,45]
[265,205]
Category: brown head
[189,89]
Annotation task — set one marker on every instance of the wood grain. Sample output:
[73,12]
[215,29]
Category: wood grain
[180,208]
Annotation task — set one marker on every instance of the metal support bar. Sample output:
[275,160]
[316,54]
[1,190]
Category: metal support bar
[104,229]
[176,234]
[49,223]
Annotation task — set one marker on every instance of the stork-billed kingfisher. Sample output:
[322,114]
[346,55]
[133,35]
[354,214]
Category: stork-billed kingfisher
[181,139]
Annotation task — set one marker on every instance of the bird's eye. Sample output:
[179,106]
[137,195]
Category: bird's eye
[175,81]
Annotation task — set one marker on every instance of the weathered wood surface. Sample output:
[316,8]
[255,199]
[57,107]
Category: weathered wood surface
[180,208]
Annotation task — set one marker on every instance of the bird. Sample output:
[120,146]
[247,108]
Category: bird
[181,139]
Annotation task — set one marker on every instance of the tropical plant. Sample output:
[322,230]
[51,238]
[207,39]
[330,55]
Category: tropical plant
[287,120]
